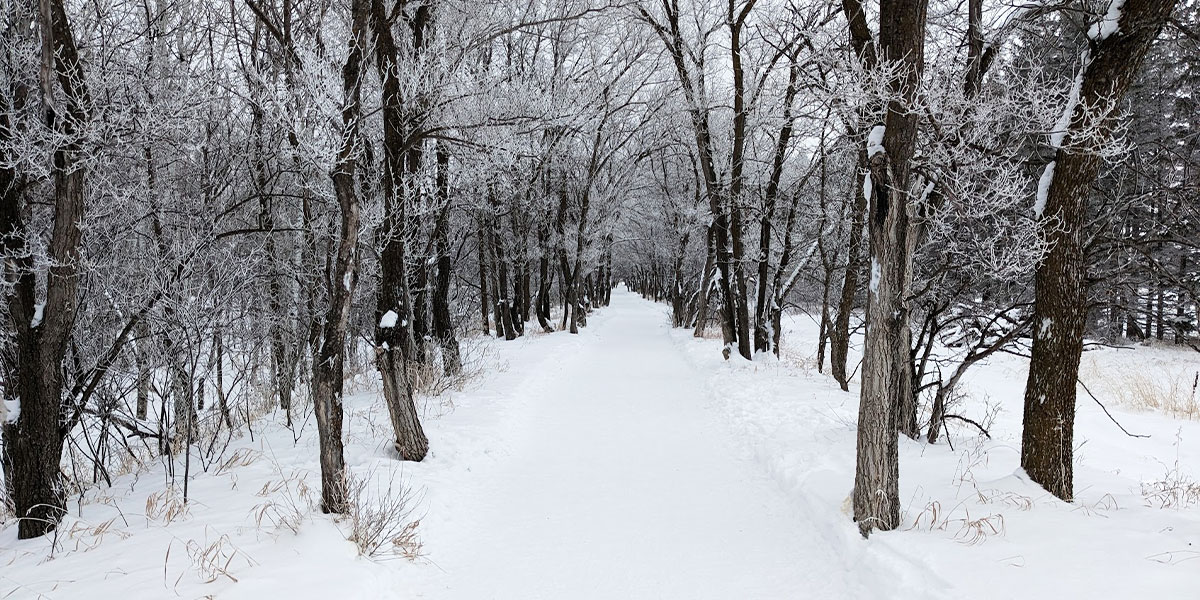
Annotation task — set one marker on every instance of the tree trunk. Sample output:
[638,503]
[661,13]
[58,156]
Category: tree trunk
[142,359]
[34,442]
[504,322]
[839,335]
[764,337]
[329,358]
[481,245]
[443,328]
[395,348]
[887,369]
[862,40]
[706,278]
[542,305]
[1060,305]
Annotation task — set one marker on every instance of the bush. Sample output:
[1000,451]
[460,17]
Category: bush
[382,520]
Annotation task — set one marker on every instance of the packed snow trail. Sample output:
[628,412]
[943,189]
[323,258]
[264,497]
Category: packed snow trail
[621,484]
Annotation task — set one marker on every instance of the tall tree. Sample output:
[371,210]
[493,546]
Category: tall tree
[34,442]
[1116,46]
[886,373]
[329,357]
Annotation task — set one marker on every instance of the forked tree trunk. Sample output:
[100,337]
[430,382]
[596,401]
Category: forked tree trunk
[395,348]
[886,368]
[1060,306]
[672,36]
[33,444]
[502,306]
[764,328]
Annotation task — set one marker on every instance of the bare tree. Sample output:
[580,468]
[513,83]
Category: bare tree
[1116,46]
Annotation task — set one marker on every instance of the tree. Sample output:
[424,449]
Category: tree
[886,376]
[329,357]
[34,443]
[1115,49]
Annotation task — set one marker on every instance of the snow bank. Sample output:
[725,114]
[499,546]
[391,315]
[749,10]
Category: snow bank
[973,525]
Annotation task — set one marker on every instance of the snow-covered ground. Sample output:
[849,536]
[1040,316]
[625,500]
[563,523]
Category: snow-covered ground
[630,461]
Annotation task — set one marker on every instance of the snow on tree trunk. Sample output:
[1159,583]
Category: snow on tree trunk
[34,440]
[1115,51]
[886,370]
[395,348]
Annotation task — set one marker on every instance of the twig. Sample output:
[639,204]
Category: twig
[965,419]
[1105,409]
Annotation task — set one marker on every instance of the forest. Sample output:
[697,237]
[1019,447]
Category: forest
[235,227]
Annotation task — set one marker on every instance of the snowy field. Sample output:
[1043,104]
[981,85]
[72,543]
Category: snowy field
[630,461]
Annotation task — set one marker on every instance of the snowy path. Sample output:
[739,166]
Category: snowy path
[621,484]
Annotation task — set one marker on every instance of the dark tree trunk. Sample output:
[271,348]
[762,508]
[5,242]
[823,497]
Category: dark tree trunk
[886,371]
[864,46]
[1060,307]
[839,333]
[740,303]
[542,305]
[142,359]
[481,246]
[764,337]
[679,305]
[443,328]
[672,37]
[395,348]
[502,306]
[329,357]
[34,443]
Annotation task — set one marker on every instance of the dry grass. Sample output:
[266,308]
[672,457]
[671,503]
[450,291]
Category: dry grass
[88,537]
[242,457]
[1006,498]
[966,529]
[166,506]
[211,560]
[289,502]
[1175,490]
[382,519]
[1174,394]
[432,380]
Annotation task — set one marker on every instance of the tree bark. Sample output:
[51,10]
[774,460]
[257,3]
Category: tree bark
[672,36]
[764,337]
[839,338]
[1060,305]
[706,277]
[481,246]
[443,328]
[34,443]
[395,348]
[329,357]
[886,372]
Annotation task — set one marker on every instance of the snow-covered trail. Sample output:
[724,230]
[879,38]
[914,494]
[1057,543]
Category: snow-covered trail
[620,483]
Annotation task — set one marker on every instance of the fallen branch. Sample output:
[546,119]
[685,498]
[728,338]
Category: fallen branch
[1105,409]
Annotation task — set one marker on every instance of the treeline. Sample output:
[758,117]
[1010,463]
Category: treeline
[209,208]
[213,211]
[954,180]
